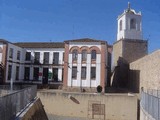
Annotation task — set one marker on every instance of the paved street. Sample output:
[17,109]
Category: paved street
[55,117]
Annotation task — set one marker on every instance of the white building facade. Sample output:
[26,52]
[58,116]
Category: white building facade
[80,63]
[85,64]
[34,62]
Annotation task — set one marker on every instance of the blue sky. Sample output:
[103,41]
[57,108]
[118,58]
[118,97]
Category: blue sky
[59,20]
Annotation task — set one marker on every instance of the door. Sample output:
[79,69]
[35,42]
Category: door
[45,75]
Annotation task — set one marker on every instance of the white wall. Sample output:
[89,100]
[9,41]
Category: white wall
[126,32]
[22,61]
[51,51]
[15,62]
[88,82]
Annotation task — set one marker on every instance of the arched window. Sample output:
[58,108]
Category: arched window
[120,25]
[74,55]
[93,54]
[133,24]
[84,55]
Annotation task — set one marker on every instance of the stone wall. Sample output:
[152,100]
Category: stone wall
[126,51]
[145,72]
[69,104]
[117,51]
[129,50]
[134,49]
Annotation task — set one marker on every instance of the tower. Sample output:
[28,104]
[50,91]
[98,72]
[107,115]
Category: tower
[129,25]
[128,47]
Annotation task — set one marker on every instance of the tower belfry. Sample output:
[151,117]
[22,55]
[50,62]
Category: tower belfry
[129,25]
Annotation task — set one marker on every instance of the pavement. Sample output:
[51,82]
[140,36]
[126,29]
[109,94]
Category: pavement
[55,117]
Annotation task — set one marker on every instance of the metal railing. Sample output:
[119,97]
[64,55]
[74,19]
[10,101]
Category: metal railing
[14,102]
[150,104]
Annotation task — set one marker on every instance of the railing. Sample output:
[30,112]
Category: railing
[14,102]
[150,104]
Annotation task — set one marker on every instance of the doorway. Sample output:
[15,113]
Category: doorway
[45,75]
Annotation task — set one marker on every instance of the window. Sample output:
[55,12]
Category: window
[55,58]
[9,72]
[46,58]
[93,54]
[37,57]
[93,72]
[84,55]
[18,55]
[17,72]
[55,74]
[133,24]
[74,55]
[26,73]
[28,56]
[74,72]
[36,73]
[11,53]
[83,73]
[120,25]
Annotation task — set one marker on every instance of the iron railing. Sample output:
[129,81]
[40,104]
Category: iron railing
[150,103]
[13,102]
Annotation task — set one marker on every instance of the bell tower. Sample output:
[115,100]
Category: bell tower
[129,25]
[128,47]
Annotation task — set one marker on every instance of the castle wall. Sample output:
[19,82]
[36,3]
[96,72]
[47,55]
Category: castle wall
[145,72]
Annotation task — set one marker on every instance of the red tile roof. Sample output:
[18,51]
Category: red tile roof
[85,40]
[40,44]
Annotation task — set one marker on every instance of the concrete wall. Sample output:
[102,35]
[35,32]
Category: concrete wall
[145,72]
[117,106]
[34,112]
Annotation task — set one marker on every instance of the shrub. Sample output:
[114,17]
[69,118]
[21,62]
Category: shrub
[99,89]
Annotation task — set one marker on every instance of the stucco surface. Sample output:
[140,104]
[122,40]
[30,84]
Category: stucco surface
[117,106]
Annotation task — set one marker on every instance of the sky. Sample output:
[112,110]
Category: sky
[59,20]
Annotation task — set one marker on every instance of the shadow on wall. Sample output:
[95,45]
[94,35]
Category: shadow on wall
[120,74]
[134,80]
